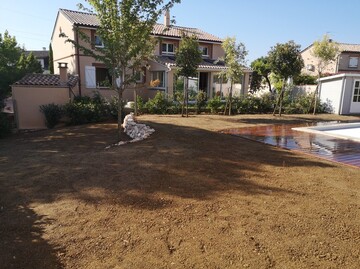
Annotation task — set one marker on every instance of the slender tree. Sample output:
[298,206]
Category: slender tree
[261,70]
[234,59]
[325,51]
[188,58]
[285,62]
[125,28]
[51,60]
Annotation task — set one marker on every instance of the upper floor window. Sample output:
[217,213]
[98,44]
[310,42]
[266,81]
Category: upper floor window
[98,42]
[204,51]
[353,62]
[167,48]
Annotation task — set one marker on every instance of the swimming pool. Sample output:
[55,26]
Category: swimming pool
[349,131]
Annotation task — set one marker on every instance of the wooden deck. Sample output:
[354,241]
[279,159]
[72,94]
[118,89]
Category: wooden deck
[323,146]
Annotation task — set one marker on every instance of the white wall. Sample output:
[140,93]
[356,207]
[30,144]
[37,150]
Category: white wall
[330,93]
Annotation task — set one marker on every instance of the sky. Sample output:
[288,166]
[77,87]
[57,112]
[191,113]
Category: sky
[259,24]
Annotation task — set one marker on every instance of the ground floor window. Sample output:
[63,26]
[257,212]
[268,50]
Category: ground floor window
[356,95]
[96,77]
[157,79]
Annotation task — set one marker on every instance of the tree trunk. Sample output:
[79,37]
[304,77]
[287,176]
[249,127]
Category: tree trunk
[230,98]
[135,104]
[184,97]
[279,101]
[119,121]
[315,94]
[269,83]
[187,97]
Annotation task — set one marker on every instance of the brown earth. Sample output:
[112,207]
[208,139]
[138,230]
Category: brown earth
[187,197]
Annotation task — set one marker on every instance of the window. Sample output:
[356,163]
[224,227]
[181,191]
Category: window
[167,48]
[204,50]
[97,77]
[356,95]
[353,62]
[158,79]
[98,42]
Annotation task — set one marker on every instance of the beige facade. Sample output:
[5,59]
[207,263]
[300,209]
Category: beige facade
[347,61]
[91,72]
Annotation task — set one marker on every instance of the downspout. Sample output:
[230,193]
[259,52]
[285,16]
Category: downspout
[78,61]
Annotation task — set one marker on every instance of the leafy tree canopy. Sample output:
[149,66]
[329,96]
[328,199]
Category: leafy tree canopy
[325,51]
[13,63]
[285,59]
[261,70]
[188,56]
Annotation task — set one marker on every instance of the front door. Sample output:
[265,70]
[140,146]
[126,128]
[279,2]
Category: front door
[355,98]
[204,82]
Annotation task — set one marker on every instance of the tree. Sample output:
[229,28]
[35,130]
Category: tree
[261,70]
[125,29]
[286,62]
[188,57]
[51,60]
[13,64]
[10,54]
[234,61]
[325,51]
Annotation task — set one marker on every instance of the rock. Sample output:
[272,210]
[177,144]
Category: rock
[136,131]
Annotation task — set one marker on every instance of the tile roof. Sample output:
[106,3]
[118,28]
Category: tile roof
[38,53]
[205,64]
[46,80]
[91,20]
[176,31]
[349,47]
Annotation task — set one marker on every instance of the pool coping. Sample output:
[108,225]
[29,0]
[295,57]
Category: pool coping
[321,130]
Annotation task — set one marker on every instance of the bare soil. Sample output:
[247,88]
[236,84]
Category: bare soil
[187,197]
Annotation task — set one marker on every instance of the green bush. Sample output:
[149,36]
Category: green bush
[52,113]
[214,104]
[5,125]
[251,104]
[140,105]
[86,110]
[113,107]
[159,104]
[200,101]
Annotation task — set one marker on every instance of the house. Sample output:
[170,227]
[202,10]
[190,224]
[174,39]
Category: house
[346,62]
[43,58]
[92,75]
[341,93]
[34,90]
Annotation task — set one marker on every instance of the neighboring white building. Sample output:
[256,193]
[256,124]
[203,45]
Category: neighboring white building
[341,93]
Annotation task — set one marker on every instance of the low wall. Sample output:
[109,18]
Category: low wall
[28,99]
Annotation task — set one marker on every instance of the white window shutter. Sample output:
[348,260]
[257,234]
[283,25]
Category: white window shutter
[90,77]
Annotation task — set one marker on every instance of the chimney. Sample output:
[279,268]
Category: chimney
[167,18]
[63,73]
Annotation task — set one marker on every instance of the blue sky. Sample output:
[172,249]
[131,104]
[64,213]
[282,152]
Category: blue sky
[259,24]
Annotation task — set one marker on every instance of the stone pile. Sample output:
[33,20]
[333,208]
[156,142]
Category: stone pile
[135,130]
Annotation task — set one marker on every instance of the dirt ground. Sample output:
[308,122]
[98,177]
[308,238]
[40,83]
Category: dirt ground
[187,197]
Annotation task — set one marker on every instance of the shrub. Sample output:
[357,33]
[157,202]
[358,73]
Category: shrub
[254,104]
[214,104]
[200,101]
[140,105]
[159,104]
[5,125]
[52,113]
[86,110]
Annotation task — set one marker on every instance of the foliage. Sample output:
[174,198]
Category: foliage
[200,101]
[13,63]
[52,113]
[188,57]
[234,59]
[51,60]
[285,61]
[129,42]
[301,104]
[86,110]
[325,51]
[5,125]
[250,104]
[261,70]
[304,79]
[214,104]
[158,105]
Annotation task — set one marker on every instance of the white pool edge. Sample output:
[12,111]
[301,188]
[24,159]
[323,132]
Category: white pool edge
[321,130]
